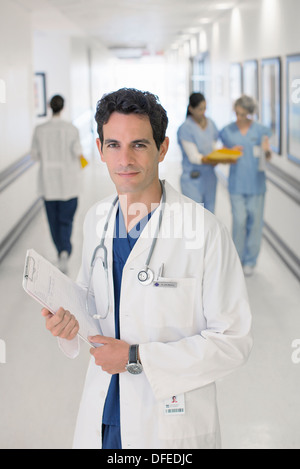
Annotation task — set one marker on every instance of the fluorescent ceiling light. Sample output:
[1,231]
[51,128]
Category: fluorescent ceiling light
[204,20]
[193,30]
[223,6]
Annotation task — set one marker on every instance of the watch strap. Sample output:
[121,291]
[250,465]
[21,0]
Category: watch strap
[133,353]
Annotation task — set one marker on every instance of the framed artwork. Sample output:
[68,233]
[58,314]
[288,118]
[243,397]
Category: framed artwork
[293,107]
[40,98]
[271,99]
[250,79]
[235,83]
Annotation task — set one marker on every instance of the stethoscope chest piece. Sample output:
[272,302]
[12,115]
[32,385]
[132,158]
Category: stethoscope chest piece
[146,277]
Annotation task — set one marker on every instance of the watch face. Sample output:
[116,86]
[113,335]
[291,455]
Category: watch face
[134,368]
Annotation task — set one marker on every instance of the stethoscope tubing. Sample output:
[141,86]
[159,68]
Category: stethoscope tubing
[147,277]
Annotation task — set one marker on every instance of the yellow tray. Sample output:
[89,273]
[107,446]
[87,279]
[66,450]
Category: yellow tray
[224,154]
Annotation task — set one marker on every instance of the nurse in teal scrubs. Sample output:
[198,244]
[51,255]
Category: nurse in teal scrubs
[247,180]
[197,137]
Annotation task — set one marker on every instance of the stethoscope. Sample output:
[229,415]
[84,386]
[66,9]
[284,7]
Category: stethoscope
[145,276]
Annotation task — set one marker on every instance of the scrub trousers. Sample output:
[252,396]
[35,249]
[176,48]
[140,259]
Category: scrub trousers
[201,189]
[247,224]
[111,438]
[60,214]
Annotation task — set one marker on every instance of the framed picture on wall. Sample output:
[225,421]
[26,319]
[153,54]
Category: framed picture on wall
[235,83]
[40,97]
[250,79]
[271,99]
[293,107]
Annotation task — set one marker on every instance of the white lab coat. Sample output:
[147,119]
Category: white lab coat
[56,145]
[189,336]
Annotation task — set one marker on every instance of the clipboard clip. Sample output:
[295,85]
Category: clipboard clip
[29,268]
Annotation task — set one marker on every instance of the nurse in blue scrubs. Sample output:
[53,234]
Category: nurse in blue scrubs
[247,180]
[197,137]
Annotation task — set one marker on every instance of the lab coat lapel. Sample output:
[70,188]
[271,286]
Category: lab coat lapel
[109,236]
[109,323]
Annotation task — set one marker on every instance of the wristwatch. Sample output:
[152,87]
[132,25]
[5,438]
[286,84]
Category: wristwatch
[133,365]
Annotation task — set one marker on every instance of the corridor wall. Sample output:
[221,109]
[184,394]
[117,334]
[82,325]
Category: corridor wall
[18,194]
[65,62]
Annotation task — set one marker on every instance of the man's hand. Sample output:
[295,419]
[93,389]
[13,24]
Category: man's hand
[62,324]
[112,356]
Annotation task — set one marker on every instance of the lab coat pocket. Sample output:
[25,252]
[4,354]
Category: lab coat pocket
[199,419]
[170,303]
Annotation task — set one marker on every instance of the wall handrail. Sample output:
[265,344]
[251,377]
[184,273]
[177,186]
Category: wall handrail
[7,243]
[291,260]
[15,170]
[285,182]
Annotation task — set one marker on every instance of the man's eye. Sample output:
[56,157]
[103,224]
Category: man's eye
[112,145]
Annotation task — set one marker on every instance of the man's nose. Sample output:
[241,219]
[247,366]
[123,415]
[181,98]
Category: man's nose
[126,156]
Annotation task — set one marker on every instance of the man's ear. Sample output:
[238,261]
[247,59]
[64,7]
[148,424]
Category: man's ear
[163,149]
[99,146]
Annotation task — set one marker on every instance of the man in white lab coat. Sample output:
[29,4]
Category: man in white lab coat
[173,309]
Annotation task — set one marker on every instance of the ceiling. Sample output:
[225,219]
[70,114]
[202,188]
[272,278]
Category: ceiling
[147,26]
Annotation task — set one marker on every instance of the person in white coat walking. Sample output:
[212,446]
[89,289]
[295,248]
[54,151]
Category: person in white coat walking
[56,145]
[169,291]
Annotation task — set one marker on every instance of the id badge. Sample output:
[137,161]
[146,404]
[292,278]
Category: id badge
[256,151]
[175,405]
[165,284]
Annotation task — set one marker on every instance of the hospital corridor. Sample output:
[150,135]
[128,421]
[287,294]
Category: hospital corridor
[82,50]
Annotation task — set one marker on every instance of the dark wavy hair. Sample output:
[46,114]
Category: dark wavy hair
[194,101]
[132,101]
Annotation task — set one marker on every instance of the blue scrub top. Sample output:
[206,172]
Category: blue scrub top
[122,246]
[204,139]
[245,177]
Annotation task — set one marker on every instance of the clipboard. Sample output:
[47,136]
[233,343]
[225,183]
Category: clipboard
[52,289]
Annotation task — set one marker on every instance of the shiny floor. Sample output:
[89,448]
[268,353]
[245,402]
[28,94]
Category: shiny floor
[40,389]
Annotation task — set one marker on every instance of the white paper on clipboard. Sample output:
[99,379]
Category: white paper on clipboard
[52,289]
